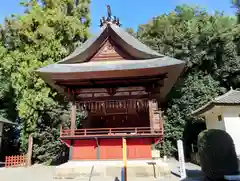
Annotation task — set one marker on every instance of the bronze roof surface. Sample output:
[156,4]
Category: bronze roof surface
[110,65]
[77,64]
[129,43]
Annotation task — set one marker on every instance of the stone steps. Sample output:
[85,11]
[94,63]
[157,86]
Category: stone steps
[75,169]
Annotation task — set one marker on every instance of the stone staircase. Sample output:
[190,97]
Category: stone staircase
[140,168]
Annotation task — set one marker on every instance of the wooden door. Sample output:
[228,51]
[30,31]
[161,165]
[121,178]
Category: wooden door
[139,148]
[110,149]
[84,150]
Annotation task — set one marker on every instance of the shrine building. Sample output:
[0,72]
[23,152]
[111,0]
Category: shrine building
[120,84]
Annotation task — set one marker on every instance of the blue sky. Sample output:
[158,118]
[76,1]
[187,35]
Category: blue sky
[131,12]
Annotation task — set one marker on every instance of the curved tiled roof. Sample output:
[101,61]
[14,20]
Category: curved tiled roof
[232,97]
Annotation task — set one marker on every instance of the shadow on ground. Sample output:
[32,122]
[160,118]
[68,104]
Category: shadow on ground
[192,175]
[2,164]
[116,179]
[60,160]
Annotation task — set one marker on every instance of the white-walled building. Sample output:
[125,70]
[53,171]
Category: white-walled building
[223,113]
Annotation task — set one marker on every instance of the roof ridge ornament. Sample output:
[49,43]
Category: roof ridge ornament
[110,19]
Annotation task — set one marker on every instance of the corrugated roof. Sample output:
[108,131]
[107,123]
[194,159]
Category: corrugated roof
[232,97]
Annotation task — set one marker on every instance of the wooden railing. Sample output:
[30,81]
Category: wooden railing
[136,131]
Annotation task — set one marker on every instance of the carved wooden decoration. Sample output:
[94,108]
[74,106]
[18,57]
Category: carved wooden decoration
[86,94]
[111,91]
[110,51]
[114,106]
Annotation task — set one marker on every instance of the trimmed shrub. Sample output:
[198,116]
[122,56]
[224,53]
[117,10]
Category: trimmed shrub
[217,154]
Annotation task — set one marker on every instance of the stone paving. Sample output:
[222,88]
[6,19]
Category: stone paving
[46,173]
[42,173]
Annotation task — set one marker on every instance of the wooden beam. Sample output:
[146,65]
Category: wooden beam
[125,92]
[153,106]
[103,90]
[73,116]
[106,95]
[29,153]
[113,84]
[115,98]
[112,80]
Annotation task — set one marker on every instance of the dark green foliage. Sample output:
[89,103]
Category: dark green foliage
[209,44]
[236,4]
[190,136]
[217,154]
[10,143]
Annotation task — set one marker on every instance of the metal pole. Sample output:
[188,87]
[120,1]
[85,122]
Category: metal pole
[124,143]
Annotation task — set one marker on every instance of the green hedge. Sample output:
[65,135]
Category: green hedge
[217,154]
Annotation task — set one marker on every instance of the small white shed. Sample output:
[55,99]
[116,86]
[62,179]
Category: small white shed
[223,113]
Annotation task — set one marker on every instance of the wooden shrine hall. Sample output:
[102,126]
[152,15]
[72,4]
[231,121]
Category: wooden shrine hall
[118,84]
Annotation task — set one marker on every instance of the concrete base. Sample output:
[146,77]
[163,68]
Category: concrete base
[136,168]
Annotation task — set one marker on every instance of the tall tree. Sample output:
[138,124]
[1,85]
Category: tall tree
[208,45]
[45,33]
[236,4]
